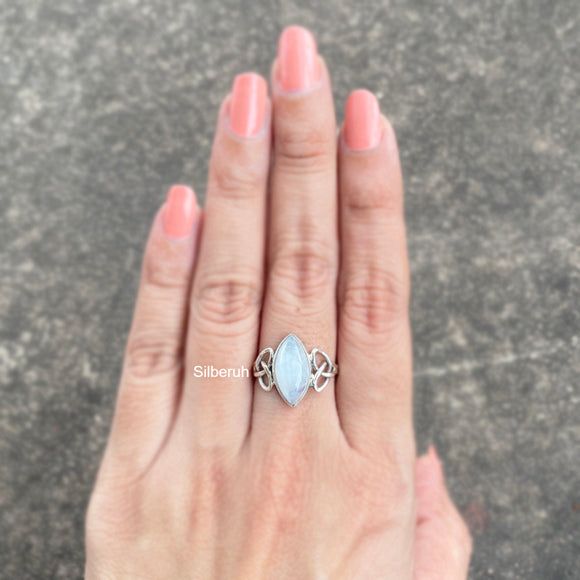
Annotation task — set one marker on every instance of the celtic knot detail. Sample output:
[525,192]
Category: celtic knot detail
[326,369]
[263,368]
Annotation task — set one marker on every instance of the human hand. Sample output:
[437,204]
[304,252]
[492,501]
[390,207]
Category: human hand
[216,478]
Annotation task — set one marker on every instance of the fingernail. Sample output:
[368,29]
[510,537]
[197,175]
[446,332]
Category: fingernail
[248,104]
[298,67]
[362,121]
[179,212]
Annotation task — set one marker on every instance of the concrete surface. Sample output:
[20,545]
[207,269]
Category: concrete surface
[104,104]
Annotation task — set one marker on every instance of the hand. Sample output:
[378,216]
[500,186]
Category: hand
[216,478]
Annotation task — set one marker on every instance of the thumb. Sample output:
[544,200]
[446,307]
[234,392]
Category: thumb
[442,541]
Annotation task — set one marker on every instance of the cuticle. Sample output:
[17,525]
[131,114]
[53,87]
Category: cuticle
[259,135]
[302,92]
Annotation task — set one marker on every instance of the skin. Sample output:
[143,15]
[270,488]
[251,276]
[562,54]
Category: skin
[215,478]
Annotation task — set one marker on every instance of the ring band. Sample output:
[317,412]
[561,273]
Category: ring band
[292,370]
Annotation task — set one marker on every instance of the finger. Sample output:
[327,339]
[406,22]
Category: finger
[303,250]
[374,385]
[227,289]
[152,370]
[442,541]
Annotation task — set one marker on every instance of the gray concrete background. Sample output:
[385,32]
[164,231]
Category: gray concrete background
[104,104]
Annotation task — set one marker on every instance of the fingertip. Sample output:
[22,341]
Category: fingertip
[322,81]
[179,212]
[363,125]
[435,460]
[298,66]
[247,105]
[390,138]
[367,135]
[242,141]
[429,474]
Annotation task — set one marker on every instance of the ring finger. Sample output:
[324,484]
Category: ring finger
[303,247]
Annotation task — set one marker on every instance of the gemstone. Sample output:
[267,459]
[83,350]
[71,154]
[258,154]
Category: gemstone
[291,369]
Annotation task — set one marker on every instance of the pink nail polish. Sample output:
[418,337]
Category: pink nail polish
[298,66]
[248,104]
[179,211]
[362,121]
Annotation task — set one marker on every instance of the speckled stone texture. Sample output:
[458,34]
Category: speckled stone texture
[104,104]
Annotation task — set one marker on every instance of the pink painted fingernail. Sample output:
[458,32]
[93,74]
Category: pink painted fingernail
[362,121]
[248,104]
[179,211]
[298,66]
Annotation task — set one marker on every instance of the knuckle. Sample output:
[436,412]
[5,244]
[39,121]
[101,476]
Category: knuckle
[303,270]
[225,299]
[150,353]
[304,147]
[235,180]
[165,268]
[373,195]
[384,487]
[400,483]
[463,535]
[458,531]
[110,513]
[374,301]
[467,544]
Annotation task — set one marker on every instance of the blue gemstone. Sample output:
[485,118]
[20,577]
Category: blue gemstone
[291,370]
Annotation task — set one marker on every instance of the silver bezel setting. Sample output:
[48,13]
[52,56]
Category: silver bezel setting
[320,367]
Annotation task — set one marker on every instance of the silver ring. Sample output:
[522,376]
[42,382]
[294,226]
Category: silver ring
[292,370]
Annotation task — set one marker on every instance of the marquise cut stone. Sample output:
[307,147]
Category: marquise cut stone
[291,369]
